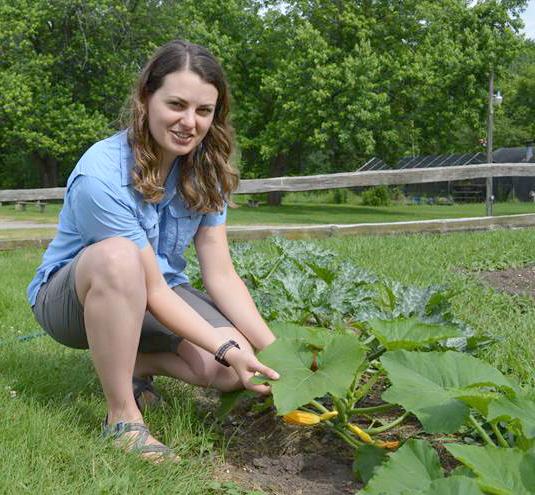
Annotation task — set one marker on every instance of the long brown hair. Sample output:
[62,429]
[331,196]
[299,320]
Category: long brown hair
[207,177]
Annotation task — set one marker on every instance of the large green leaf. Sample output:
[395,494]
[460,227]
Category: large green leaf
[411,469]
[299,384]
[517,410]
[311,335]
[454,485]
[367,459]
[410,333]
[499,471]
[428,383]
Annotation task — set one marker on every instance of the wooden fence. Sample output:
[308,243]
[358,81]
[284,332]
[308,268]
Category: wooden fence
[331,181]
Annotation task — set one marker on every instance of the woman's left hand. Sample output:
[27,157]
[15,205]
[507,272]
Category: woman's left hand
[246,364]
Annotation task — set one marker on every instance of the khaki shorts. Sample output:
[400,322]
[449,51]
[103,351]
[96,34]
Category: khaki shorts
[60,313]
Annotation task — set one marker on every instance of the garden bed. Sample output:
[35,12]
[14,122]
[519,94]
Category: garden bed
[516,281]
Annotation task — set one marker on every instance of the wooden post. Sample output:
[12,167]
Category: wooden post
[490,124]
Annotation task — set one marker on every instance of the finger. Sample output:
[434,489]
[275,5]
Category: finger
[267,372]
[261,389]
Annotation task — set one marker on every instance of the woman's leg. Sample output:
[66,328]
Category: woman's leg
[110,284]
[193,364]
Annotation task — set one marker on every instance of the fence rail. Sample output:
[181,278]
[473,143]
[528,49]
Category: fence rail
[331,181]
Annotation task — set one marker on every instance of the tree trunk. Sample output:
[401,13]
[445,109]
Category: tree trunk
[48,170]
[276,169]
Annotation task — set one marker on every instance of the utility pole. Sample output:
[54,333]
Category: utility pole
[490,123]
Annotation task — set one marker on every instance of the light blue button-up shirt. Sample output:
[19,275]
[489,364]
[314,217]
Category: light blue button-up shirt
[100,202]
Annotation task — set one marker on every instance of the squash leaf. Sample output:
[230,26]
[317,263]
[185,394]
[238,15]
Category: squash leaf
[411,469]
[337,364]
[499,471]
[410,333]
[427,384]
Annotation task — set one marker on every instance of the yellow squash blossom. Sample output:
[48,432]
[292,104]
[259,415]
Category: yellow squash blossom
[305,418]
[389,444]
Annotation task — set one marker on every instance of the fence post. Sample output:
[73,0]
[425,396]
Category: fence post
[490,123]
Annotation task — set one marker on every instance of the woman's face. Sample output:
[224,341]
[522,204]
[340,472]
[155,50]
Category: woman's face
[180,113]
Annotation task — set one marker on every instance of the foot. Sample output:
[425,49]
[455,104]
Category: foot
[135,437]
[145,394]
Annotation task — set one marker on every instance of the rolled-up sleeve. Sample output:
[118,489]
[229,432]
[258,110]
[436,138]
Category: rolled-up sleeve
[101,213]
[215,218]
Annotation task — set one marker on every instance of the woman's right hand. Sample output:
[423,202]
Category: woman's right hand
[246,365]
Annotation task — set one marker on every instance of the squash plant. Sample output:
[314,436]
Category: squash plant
[325,374]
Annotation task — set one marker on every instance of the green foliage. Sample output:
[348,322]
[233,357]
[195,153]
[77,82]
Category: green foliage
[376,196]
[336,359]
[519,412]
[499,471]
[413,467]
[367,459]
[446,382]
[410,333]
[317,87]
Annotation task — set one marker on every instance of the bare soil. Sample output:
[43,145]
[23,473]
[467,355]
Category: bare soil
[266,454]
[518,281]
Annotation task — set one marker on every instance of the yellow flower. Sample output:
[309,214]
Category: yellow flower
[301,418]
[389,444]
[360,433]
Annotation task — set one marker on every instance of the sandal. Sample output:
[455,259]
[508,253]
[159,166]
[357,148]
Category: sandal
[137,443]
[145,394]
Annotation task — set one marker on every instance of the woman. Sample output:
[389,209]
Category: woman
[113,281]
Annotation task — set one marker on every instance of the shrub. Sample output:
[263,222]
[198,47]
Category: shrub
[376,196]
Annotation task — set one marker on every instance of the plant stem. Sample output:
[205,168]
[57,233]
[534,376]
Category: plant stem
[374,355]
[275,266]
[374,409]
[357,395]
[484,435]
[501,441]
[318,406]
[345,437]
[388,426]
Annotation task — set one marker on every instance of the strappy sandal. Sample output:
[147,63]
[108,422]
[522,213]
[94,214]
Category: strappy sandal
[145,394]
[137,443]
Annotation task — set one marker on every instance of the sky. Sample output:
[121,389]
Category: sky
[529,20]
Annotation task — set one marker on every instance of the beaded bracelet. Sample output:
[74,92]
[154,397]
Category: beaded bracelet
[220,354]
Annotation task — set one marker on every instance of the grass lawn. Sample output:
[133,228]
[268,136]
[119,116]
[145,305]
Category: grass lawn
[52,403]
[304,213]
[316,213]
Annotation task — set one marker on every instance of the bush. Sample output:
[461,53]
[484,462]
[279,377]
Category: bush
[376,196]
[340,196]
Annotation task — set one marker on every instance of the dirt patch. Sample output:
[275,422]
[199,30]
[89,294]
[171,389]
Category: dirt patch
[517,281]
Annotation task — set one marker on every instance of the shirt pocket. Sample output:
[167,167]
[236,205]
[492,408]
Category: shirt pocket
[148,219]
[181,227]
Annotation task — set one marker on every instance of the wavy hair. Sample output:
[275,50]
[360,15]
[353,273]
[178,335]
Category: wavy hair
[207,177]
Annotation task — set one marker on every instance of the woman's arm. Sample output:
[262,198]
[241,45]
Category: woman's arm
[226,288]
[168,308]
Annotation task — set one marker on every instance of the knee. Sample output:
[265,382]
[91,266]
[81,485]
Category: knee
[116,264]
[227,380]
[214,375]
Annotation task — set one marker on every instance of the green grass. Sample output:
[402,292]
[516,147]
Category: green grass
[49,439]
[318,213]
[31,214]
[304,213]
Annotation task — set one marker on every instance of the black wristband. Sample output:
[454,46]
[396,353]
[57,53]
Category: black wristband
[220,354]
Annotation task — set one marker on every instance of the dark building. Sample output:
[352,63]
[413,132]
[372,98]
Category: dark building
[505,188]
